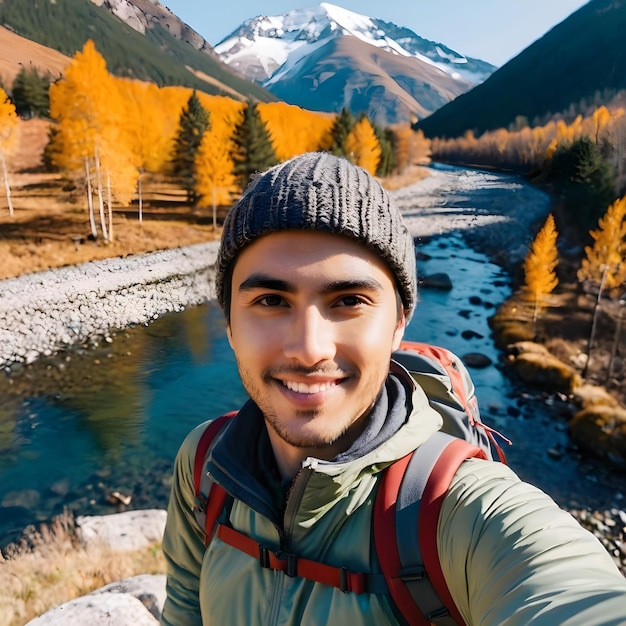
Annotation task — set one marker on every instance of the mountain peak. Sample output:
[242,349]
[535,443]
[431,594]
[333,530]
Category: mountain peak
[278,52]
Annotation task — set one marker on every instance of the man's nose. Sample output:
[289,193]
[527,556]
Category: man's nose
[310,337]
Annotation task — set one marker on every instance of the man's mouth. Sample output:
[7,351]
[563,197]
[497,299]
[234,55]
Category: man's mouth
[308,388]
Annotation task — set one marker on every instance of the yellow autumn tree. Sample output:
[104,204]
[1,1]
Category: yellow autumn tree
[295,130]
[363,147]
[605,260]
[540,265]
[8,140]
[85,105]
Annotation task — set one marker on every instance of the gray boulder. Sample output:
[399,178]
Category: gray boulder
[136,601]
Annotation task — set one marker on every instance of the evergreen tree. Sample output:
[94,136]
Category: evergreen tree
[588,182]
[252,146]
[339,132]
[194,121]
[386,139]
[30,94]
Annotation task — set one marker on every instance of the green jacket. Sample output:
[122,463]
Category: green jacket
[509,554]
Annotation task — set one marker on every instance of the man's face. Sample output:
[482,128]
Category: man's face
[314,320]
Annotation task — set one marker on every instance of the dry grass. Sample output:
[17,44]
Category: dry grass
[56,568]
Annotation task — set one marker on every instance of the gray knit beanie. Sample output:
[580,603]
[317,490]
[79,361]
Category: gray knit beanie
[321,192]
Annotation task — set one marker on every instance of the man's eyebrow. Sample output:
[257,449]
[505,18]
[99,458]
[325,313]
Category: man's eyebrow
[353,284]
[264,281]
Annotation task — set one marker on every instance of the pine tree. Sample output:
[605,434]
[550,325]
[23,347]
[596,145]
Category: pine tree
[30,93]
[540,265]
[606,258]
[588,180]
[194,121]
[340,131]
[252,146]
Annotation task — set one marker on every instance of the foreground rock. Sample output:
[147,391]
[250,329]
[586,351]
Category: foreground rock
[136,601]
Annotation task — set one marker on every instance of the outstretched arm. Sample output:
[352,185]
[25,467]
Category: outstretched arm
[512,557]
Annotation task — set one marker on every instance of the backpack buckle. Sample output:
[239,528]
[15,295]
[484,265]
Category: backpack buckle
[264,557]
[416,572]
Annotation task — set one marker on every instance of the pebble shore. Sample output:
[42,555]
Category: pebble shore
[45,312]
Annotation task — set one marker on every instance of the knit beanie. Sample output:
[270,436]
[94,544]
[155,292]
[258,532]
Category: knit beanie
[320,192]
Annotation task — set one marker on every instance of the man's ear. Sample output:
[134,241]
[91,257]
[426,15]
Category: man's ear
[229,335]
[398,333]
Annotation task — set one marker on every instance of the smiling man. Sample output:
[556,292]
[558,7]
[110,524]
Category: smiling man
[316,276]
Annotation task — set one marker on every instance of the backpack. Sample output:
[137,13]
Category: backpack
[407,501]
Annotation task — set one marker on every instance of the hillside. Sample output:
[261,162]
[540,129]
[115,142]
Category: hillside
[581,60]
[156,55]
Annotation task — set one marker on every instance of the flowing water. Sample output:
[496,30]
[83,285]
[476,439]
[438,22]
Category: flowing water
[77,427]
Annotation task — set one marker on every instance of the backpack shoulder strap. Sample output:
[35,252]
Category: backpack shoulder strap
[406,514]
[207,509]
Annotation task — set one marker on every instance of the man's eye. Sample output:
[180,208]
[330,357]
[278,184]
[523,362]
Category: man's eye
[349,301]
[271,300]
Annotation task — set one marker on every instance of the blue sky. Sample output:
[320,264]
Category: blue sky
[491,30]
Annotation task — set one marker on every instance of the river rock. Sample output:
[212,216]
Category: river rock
[439,280]
[476,360]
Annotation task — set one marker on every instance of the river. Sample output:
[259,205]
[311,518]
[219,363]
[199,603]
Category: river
[78,427]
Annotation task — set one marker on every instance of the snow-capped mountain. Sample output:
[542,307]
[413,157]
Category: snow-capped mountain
[326,57]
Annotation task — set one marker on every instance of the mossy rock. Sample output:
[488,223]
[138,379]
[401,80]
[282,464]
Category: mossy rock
[587,396]
[545,370]
[508,331]
[601,430]
[527,347]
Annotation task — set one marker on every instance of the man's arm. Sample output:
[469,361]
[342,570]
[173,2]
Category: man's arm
[183,544]
[512,557]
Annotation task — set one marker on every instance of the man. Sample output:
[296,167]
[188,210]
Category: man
[316,276]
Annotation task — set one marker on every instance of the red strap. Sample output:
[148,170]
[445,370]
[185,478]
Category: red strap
[210,432]
[385,525]
[436,488]
[293,565]
[218,496]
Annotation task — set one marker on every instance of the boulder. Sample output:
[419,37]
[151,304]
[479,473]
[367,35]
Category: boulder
[546,371]
[136,601]
[127,531]
[601,430]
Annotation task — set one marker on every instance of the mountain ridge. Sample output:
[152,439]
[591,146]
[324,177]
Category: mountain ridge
[579,60]
[276,51]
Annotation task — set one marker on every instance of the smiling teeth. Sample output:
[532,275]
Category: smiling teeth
[310,389]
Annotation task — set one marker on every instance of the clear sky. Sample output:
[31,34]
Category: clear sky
[491,30]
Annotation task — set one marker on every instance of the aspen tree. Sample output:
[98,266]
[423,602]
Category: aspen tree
[8,139]
[87,109]
[540,265]
[605,260]
[363,147]
[215,180]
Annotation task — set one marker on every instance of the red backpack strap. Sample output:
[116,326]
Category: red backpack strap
[208,509]
[406,513]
